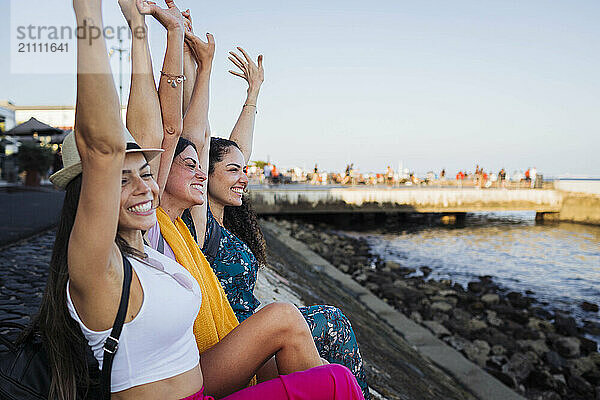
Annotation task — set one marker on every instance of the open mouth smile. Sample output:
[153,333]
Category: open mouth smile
[198,186]
[237,190]
[142,208]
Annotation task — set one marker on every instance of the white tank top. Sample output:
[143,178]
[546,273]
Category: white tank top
[159,342]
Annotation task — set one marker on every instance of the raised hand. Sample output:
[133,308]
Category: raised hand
[254,74]
[169,17]
[203,52]
[134,11]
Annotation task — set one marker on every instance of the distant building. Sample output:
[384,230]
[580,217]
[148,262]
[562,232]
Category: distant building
[62,117]
[7,116]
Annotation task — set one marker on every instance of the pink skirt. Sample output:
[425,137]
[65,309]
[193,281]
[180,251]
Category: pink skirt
[327,382]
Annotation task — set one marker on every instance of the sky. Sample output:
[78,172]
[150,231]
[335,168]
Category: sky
[422,84]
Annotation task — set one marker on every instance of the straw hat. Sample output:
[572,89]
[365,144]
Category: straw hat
[72,161]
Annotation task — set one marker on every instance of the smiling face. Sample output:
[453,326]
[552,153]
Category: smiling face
[186,182]
[139,194]
[228,180]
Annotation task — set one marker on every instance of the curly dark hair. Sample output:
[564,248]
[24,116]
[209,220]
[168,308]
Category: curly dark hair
[241,221]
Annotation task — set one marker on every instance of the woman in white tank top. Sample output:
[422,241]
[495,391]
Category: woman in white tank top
[110,199]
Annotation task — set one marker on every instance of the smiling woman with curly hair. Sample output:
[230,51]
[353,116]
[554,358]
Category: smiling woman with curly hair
[232,241]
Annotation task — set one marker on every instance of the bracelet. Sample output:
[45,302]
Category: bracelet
[251,105]
[173,79]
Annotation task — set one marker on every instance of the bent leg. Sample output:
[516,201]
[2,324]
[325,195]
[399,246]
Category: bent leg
[335,340]
[278,329]
[328,382]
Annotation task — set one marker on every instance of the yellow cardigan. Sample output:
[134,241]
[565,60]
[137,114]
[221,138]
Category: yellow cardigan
[216,317]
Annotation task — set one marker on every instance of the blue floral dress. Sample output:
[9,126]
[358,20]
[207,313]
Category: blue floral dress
[236,267]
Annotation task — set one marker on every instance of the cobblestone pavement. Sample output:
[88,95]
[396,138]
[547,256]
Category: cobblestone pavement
[23,273]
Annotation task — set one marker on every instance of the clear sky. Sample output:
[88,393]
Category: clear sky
[431,84]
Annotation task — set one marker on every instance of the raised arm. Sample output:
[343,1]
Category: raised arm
[243,131]
[189,64]
[143,109]
[170,88]
[101,143]
[195,124]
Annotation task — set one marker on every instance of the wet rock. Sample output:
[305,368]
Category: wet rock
[554,361]
[477,352]
[498,350]
[426,271]
[567,347]
[490,299]
[587,345]
[493,319]
[438,329]
[460,315]
[520,366]
[517,300]
[475,325]
[416,316]
[580,366]
[565,324]
[549,395]
[344,268]
[475,287]
[541,379]
[592,376]
[540,325]
[580,386]
[586,306]
[592,327]
[539,347]
[497,361]
[441,307]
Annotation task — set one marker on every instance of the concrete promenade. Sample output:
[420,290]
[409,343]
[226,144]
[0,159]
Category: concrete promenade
[555,205]
[306,199]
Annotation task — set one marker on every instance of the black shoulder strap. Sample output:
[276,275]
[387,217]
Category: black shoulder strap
[212,246]
[112,342]
[161,244]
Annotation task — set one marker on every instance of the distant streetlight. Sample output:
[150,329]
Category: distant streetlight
[120,50]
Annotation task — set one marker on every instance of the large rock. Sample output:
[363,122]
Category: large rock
[554,361]
[539,347]
[517,300]
[475,325]
[580,366]
[490,299]
[477,352]
[438,329]
[567,347]
[565,324]
[540,325]
[579,385]
[441,306]
[541,379]
[587,345]
[586,306]
[493,319]
[520,366]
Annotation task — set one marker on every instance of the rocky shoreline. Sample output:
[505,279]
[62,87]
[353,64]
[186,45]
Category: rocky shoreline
[541,354]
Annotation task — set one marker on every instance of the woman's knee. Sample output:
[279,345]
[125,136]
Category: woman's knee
[285,318]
